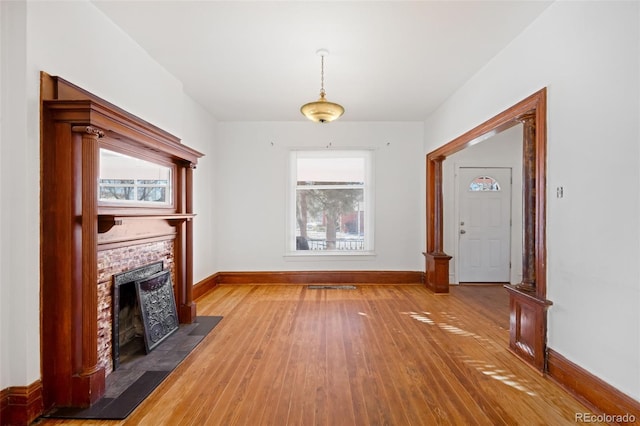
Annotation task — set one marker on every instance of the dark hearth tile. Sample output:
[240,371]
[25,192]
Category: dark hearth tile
[188,343]
[165,360]
[135,379]
[118,381]
[205,325]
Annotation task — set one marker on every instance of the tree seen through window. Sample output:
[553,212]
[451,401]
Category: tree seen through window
[330,201]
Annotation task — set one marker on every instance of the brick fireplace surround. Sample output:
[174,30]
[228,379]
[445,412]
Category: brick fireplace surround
[84,242]
[118,260]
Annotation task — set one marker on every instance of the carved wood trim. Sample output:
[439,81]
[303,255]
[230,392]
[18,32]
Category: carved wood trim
[108,221]
[529,205]
[89,377]
[147,239]
[120,122]
[75,124]
[437,272]
[189,304]
[532,110]
[528,327]
[435,206]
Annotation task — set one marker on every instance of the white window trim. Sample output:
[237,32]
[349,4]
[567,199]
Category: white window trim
[290,235]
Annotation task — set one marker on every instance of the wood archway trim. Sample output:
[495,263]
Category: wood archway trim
[528,303]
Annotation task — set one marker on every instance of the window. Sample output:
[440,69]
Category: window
[331,202]
[484,183]
[127,180]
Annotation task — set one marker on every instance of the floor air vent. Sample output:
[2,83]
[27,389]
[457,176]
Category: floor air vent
[332,287]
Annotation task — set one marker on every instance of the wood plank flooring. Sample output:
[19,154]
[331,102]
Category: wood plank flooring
[376,355]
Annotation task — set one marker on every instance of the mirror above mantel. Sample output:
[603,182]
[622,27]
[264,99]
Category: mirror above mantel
[129,181]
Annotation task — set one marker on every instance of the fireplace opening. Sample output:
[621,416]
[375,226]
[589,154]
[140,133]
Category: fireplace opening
[128,326]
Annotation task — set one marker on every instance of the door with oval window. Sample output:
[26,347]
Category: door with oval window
[484,229]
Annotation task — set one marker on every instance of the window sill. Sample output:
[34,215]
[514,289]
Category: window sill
[316,255]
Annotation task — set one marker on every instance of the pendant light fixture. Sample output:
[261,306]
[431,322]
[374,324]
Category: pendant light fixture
[322,110]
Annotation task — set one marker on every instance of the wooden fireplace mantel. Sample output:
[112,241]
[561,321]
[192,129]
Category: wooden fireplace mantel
[75,125]
[108,221]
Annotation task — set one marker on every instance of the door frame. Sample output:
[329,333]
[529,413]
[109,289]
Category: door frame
[527,300]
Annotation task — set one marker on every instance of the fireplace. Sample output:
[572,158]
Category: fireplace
[127,323]
[114,267]
[87,240]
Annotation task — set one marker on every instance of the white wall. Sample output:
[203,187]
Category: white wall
[501,150]
[4,58]
[251,193]
[75,41]
[587,54]
[19,277]
[198,132]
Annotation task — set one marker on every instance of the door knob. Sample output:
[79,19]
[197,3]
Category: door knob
[462,231]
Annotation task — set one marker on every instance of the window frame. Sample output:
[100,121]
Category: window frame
[368,201]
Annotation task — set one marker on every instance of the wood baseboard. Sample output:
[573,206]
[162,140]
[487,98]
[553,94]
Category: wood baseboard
[204,286]
[306,277]
[21,405]
[592,391]
[321,277]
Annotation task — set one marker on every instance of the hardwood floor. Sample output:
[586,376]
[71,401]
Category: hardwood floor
[376,355]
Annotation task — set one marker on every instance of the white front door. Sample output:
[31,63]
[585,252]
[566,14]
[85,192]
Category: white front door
[484,229]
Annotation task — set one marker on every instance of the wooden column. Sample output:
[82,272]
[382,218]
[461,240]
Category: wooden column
[528,283]
[436,260]
[528,308]
[69,262]
[88,380]
[189,305]
[438,233]
[184,246]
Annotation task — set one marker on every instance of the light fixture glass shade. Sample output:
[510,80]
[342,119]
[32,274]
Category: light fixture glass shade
[322,111]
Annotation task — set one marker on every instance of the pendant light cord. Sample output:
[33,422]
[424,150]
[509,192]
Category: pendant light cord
[322,93]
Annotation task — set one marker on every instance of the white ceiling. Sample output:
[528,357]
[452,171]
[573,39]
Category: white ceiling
[388,61]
